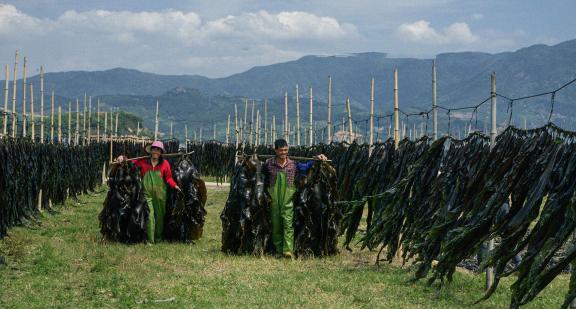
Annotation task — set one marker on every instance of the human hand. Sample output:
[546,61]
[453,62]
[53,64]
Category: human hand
[322,157]
[178,188]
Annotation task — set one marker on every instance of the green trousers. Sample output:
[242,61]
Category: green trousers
[282,214]
[155,190]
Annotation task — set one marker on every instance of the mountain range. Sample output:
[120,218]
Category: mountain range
[463,79]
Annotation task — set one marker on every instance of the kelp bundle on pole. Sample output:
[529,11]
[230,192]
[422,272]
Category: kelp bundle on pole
[246,225]
[185,210]
[125,213]
[316,215]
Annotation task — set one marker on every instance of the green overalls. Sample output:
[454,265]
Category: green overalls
[282,214]
[155,190]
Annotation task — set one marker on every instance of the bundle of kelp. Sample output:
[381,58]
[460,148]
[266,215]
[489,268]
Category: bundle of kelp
[387,167]
[213,158]
[316,215]
[185,210]
[125,213]
[245,217]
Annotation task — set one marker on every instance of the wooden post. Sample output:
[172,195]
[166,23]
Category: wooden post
[310,136]
[434,106]
[185,136]
[116,126]
[104,138]
[42,104]
[266,122]
[52,119]
[69,122]
[297,116]
[98,120]
[252,124]
[273,129]
[236,125]
[257,128]
[14,116]
[156,122]
[24,116]
[33,131]
[329,109]
[228,129]
[195,136]
[493,133]
[351,139]
[200,134]
[77,132]
[171,129]
[89,119]
[286,132]
[396,123]
[59,123]
[243,130]
[214,137]
[371,141]
[5,118]
[84,118]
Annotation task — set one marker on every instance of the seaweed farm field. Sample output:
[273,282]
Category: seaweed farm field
[61,261]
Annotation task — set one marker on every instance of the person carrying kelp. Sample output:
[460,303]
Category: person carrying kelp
[156,174]
[280,173]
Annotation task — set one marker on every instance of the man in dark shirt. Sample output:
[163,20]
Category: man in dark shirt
[281,172]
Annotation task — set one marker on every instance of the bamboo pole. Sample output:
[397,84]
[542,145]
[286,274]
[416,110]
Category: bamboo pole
[311,120]
[228,130]
[52,119]
[98,120]
[236,133]
[214,137]
[266,122]
[90,120]
[493,133]
[42,104]
[104,138]
[252,124]
[5,116]
[195,136]
[329,109]
[32,112]
[185,136]
[84,118]
[351,139]
[243,130]
[434,105]
[171,129]
[200,134]
[297,116]
[14,116]
[156,122]
[69,122]
[77,132]
[371,142]
[59,123]
[257,128]
[273,129]
[396,123]
[116,126]
[286,132]
[24,116]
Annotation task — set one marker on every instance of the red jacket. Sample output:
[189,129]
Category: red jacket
[145,165]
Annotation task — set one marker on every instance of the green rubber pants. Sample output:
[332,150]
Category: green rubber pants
[155,190]
[282,214]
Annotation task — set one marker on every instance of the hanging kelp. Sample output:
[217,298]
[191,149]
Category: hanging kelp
[185,210]
[245,217]
[125,213]
[316,215]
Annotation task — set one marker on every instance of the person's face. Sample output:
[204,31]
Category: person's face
[155,153]
[282,152]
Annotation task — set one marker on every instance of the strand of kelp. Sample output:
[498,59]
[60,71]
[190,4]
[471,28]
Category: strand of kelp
[60,171]
[448,201]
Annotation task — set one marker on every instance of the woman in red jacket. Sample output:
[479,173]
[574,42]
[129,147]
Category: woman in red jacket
[156,174]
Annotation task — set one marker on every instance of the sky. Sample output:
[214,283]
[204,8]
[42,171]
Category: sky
[217,38]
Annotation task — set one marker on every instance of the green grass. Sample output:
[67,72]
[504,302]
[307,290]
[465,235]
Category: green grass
[64,263]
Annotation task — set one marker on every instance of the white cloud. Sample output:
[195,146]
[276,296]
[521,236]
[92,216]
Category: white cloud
[421,32]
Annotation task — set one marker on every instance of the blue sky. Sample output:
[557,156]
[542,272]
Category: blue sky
[218,38]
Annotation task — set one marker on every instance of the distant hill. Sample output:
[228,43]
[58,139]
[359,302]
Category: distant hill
[463,80]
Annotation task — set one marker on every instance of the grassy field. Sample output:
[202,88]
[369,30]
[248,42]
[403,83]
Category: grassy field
[64,263]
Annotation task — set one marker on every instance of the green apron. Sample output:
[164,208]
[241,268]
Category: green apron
[282,214]
[155,190]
